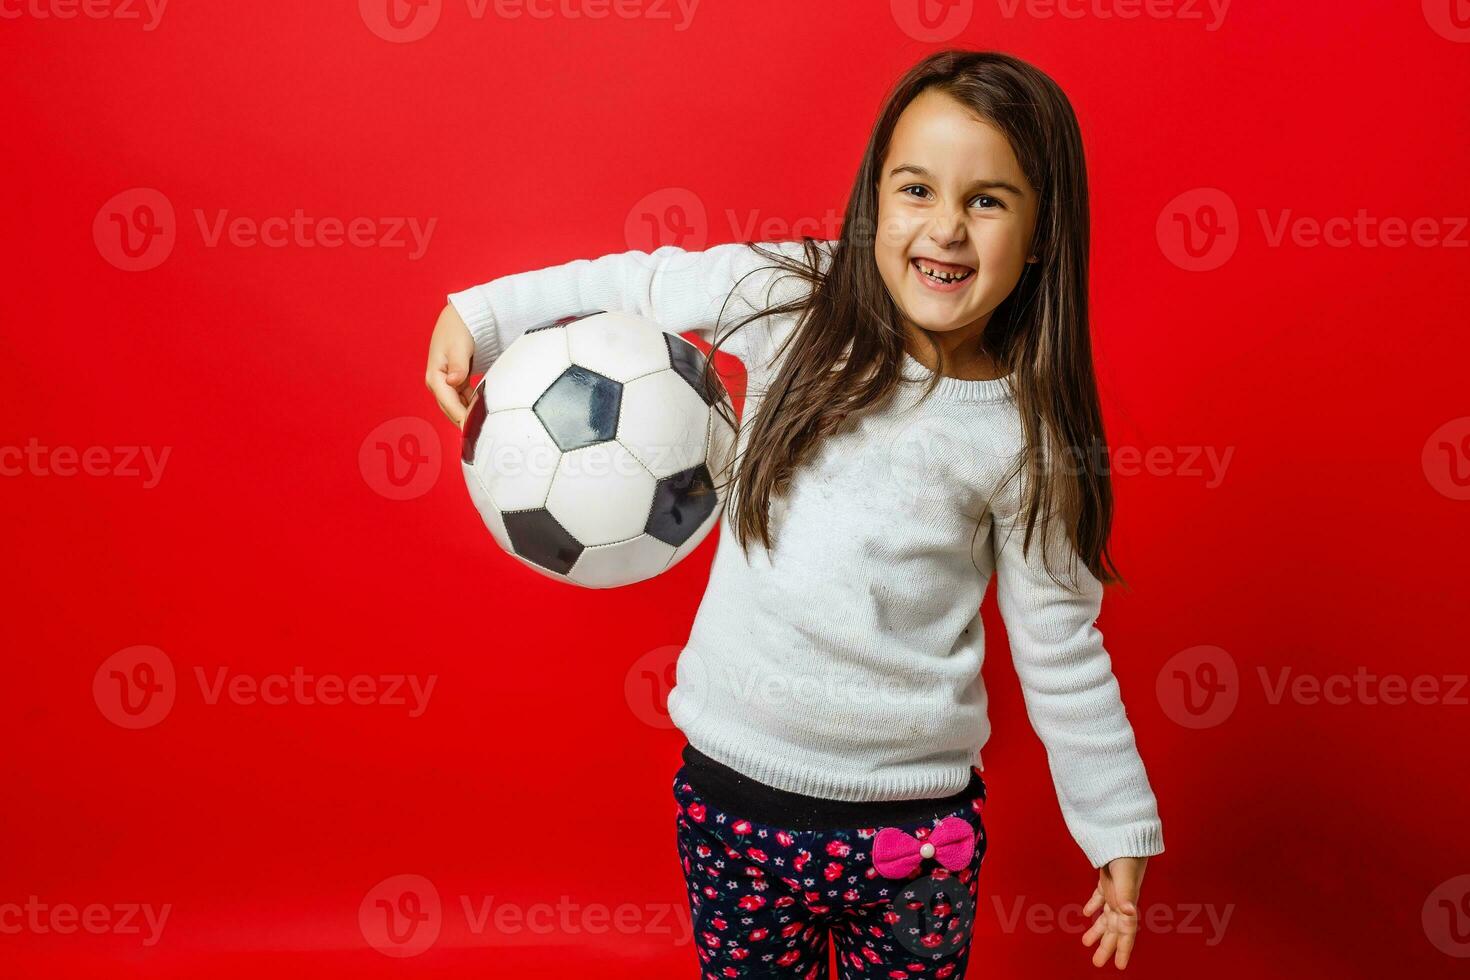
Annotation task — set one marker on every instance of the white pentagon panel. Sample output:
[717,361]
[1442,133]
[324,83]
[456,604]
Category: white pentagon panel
[525,368]
[664,423]
[610,565]
[489,513]
[516,459]
[601,494]
[616,345]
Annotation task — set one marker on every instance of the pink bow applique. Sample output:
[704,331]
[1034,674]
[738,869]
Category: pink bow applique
[896,854]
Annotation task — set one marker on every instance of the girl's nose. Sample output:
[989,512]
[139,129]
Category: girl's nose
[947,232]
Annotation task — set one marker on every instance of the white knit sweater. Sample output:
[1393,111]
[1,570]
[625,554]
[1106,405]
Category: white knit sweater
[846,662]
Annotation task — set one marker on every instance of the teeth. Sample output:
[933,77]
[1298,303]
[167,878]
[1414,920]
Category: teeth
[941,276]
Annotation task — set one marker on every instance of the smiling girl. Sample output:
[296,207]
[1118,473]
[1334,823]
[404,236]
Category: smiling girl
[921,417]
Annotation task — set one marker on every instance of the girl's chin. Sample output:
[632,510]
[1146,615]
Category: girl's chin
[938,325]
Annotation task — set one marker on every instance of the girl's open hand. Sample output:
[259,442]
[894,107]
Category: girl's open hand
[451,348]
[1118,883]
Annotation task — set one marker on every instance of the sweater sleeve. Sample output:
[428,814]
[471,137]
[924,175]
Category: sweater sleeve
[1072,697]
[683,291]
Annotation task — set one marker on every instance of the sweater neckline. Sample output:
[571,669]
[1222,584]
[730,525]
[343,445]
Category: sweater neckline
[959,389]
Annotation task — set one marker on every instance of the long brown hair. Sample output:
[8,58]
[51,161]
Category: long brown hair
[846,351]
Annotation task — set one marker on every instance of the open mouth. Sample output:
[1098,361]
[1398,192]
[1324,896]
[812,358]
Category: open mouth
[942,275]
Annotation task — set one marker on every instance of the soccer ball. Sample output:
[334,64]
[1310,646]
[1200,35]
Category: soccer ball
[593,446]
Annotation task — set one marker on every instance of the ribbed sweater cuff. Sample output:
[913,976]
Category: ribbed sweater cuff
[474,309]
[1143,839]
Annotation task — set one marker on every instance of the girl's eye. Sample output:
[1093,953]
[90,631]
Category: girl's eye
[995,202]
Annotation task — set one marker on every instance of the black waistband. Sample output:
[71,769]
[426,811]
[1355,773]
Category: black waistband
[737,793]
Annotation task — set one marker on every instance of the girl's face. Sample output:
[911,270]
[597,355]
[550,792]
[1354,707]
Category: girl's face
[951,199]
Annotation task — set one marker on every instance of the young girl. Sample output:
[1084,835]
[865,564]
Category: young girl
[830,692]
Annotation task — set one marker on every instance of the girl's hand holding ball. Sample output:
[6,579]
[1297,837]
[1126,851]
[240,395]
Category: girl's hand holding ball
[451,349]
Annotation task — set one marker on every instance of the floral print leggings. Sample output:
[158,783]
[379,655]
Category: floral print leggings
[766,901]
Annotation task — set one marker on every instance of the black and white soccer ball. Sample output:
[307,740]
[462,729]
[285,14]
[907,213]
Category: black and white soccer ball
[594,450]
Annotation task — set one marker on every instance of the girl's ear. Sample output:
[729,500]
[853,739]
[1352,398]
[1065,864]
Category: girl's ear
[1033,259]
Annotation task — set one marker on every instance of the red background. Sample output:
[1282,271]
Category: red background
[1334,541]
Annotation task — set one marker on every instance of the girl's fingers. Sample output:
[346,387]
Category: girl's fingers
[448,397]
[1093,903]
[1125,948]
[1094,931]
[1105,948]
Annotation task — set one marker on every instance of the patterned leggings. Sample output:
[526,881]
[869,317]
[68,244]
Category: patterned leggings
[764,899]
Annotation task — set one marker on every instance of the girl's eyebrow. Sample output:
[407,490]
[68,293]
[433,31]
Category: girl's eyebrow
[914,168]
